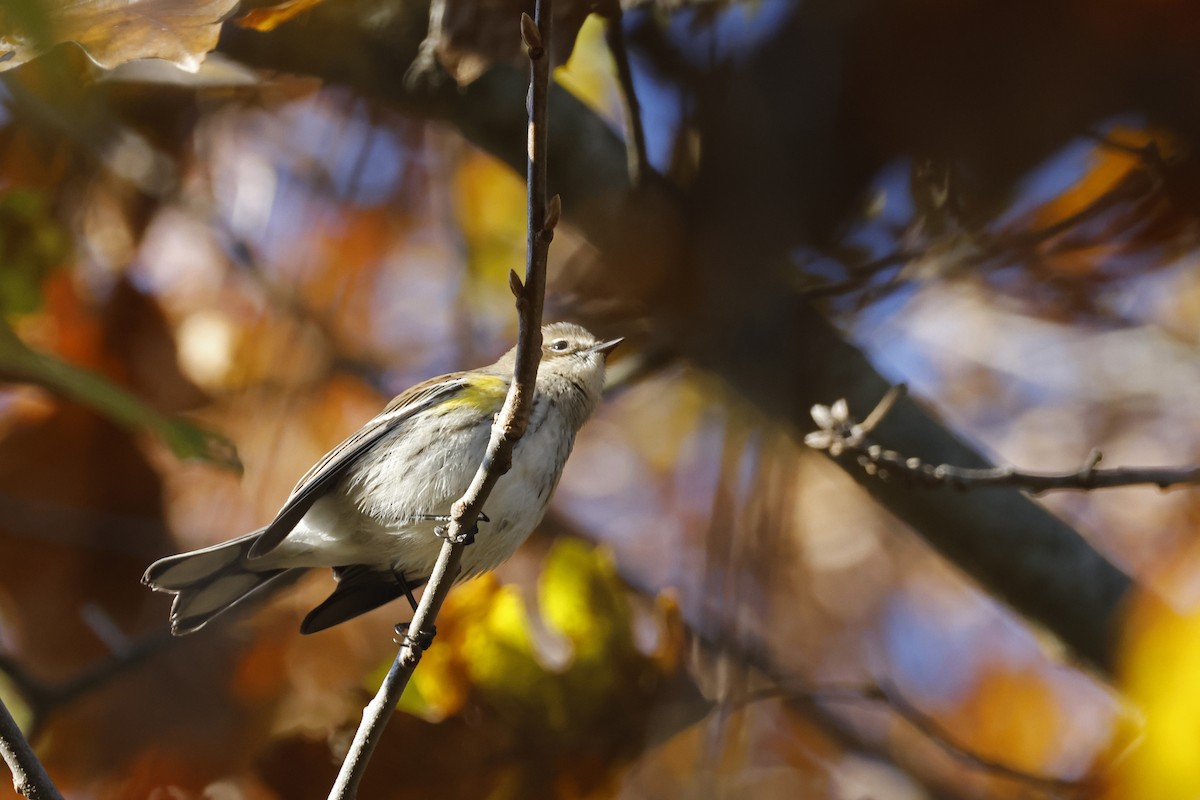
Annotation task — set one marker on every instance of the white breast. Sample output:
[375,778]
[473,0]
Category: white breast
[374,515]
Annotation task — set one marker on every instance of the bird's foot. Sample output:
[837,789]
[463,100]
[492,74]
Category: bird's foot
[421,640]
[464,538]
[404,587]
[446,517]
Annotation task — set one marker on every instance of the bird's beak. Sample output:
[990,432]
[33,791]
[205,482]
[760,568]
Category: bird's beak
[604,348]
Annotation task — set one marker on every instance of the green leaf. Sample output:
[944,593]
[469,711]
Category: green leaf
[19,363]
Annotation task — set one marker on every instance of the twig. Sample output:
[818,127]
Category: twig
[29,776]
[860,275]
[1137,187]
[44,699]
[1150,154]
[506,431]
[424,69]
[929,727]
[635,134]
[840,434]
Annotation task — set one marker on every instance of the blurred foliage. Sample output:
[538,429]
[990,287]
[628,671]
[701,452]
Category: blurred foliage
[572,687]
[32,243]
[1158,677]
[998,201]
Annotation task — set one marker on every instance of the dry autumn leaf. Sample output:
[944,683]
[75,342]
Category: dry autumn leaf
[113,32]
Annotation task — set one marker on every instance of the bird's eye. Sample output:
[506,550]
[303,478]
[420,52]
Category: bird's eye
[560,345]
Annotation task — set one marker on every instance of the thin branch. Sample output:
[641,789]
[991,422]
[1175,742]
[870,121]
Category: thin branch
[841,434]
[926,725]
[635,134]
[508,428]
[29,776]
[424,69]
[44,699]
[1138,187]
[861,274]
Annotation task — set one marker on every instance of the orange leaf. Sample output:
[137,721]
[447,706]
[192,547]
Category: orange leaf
[1109,167]
[1014,719]
[271,17]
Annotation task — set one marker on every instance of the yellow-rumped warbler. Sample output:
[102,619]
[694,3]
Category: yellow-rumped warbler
[370,508]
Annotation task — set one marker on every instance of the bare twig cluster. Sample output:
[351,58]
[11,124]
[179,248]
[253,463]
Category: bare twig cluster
[840,434]
[43,698]
[506,431]
[972,249]
[933,730]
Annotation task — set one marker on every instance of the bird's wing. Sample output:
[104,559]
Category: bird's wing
[332,467]
[359,590]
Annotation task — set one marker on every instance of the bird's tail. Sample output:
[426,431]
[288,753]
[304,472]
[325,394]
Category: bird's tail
[208,582]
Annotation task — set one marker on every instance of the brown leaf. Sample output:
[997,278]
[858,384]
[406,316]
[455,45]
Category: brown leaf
[112,32]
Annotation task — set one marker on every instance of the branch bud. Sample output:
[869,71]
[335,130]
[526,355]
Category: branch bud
[553,212]
[514,284]
[531,35]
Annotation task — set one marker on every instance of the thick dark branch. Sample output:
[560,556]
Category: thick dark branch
[841,435]
[508,428]
[29,776]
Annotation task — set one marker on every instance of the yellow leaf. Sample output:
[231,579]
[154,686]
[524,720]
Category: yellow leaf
[581,598]
[589,73]
[1159,673]
[18,709]
[490,205]
[444,680]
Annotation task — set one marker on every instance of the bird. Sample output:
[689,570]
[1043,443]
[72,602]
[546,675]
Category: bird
[370,508]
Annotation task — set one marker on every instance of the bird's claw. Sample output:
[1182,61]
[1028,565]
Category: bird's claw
[421,640]
[464,538]
[446,517]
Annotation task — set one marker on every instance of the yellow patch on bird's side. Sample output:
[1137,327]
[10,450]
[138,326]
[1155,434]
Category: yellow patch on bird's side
[486,392]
